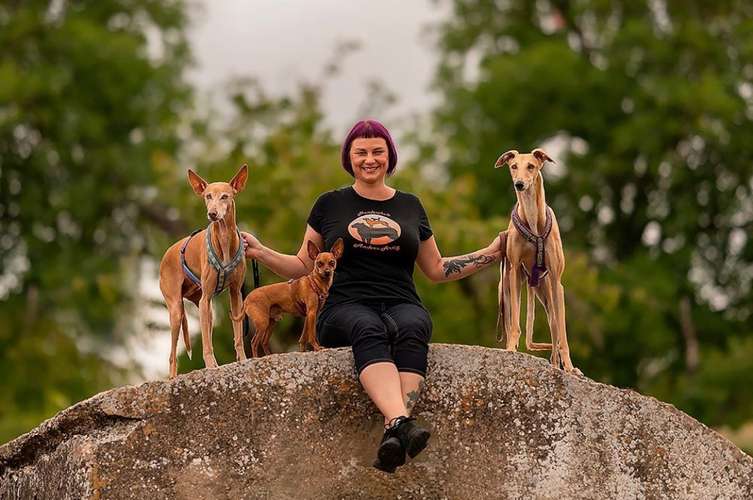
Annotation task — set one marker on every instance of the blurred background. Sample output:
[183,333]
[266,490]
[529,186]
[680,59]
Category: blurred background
[647,107]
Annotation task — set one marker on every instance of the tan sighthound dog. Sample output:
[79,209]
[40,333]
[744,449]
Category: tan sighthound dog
[534,254]
[301,297]
[194,270]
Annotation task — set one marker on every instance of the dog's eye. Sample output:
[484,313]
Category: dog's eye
[209,197]
[514,167]
[319,264]
[530,168]
[223,197]
[332,263]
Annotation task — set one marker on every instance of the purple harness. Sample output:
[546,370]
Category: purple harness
[539,269]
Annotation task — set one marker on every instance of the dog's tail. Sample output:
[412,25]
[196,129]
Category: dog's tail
[530,312]
[186,337]
[241,316]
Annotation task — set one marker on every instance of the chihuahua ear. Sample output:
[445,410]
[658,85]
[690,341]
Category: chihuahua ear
[197,183]
[337,248]
[540,155]
[506,156]
[312,249]
[239,181]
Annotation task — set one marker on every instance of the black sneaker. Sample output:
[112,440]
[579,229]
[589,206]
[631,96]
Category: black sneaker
[412,436]
[391,453]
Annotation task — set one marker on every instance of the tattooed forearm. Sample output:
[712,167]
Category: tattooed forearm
[412,397]
[457,264]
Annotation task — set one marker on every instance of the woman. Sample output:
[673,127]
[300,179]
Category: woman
[373,305]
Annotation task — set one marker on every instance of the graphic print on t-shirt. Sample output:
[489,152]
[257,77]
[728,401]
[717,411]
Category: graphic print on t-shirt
[374,229]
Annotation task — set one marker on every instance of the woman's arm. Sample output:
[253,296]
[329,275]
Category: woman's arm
[438,268]
[283,265]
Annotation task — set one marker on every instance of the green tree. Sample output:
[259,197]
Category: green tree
[90,93]
[652,104]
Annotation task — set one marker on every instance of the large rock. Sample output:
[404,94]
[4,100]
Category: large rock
[505,425]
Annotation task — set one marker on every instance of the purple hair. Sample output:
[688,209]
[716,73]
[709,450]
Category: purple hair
[368,129]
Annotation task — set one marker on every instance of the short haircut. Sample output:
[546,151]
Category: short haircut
[368,129]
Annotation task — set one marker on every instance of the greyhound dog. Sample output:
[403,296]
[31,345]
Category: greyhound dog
[217,253]
[534,251]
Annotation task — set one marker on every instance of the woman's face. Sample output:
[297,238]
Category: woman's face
[370,159]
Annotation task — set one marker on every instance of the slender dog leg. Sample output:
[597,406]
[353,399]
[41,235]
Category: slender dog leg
[308,335]
[261,324]
[175,308]
[205,318]
[530,313]
[552,314]
[236,308]
[501,302]
[265,338]
[564,348]
[513,333]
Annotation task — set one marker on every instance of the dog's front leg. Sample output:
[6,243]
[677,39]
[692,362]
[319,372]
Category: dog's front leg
[205,318]
[553,314]
[236,310]
[309,331]
[564,348]
[513,285]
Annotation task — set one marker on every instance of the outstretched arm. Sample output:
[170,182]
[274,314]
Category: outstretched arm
[438,268]
[284,265]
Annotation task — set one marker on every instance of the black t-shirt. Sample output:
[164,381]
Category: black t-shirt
[381,244]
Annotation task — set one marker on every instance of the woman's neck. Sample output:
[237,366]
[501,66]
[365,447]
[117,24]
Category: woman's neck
[376,191]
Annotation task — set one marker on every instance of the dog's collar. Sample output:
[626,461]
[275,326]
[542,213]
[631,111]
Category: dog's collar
[539,268]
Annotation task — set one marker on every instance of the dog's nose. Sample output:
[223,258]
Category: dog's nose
[212,215]
[519,185]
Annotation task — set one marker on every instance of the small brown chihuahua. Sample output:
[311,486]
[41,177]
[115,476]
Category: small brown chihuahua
[301,297]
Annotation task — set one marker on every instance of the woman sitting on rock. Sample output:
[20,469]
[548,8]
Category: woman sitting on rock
[373,305]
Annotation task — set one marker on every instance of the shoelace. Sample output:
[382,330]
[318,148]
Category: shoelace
[394,423]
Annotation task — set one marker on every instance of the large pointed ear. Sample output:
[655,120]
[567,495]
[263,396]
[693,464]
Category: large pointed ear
[540,155]
[197,183]
[337,249]
[239,181]
[312,249]
[506,156]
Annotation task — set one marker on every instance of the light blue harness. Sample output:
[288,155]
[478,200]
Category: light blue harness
[223,272]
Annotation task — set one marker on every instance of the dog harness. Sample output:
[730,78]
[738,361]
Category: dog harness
[539,269]
[223,272]
[321,294]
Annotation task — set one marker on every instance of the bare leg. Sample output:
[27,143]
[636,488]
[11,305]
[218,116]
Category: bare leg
[411,385]
[381,381]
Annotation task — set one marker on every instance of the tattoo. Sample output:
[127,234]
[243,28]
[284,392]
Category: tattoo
[412,397]
[457,265]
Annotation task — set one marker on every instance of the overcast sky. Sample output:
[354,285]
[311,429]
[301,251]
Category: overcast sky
[286,41]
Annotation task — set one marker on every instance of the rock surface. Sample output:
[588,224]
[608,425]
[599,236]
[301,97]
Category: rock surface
[505,425]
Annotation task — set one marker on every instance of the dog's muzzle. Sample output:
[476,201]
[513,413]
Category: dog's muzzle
[212,216]
[520,186]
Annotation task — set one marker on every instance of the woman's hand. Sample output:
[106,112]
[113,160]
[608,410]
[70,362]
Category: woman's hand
[252,247]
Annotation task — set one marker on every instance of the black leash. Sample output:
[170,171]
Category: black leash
[257,274]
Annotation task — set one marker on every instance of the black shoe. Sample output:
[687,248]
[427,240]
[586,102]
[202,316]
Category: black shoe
[412,436]
[391,453]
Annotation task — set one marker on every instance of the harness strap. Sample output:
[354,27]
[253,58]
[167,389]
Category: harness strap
[322,295]
[186,269]
[223,272]
[539,269]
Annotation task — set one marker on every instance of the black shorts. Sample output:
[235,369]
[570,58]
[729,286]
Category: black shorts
[398,333]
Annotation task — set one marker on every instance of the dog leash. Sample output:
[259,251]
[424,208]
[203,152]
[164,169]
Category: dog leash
[539,270]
